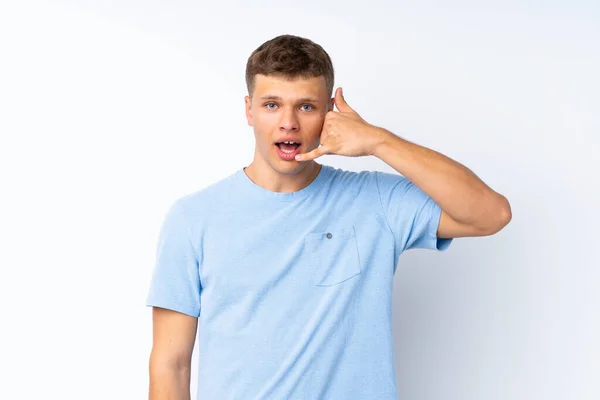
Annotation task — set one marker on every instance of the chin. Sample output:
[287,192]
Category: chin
[288,167]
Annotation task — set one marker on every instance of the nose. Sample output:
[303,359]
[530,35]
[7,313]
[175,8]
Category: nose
[288,121]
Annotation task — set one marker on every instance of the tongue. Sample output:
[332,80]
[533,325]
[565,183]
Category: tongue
[288,147]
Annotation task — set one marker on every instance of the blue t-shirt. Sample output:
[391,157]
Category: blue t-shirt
[293,291]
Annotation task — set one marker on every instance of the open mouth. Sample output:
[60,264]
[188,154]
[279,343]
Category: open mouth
[288,147]
[287,151]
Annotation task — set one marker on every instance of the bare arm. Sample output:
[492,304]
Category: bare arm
[469,206]
[170,360]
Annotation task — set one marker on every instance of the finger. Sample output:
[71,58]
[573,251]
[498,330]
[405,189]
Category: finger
[311,155]
[340,102]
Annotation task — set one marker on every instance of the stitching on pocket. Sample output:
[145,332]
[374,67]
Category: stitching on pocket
[335,259]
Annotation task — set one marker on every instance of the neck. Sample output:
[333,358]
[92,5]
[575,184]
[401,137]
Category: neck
[280,180]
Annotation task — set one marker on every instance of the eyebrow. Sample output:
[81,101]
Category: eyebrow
[302,100]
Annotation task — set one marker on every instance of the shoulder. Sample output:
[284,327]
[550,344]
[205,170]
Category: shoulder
[351,178]
[198,204]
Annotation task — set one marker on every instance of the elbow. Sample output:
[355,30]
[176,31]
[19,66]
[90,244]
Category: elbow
[504,212]
[502,215]
[160,363]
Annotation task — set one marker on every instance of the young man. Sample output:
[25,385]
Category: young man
[288,263]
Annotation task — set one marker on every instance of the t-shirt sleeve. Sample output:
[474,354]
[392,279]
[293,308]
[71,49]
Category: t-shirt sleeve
[412,215]
[175,282]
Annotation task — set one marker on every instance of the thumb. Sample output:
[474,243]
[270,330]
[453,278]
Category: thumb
[340,102]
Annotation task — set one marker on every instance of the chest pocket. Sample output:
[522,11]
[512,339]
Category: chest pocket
[334,255]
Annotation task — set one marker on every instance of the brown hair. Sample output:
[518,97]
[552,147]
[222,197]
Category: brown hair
[289,56]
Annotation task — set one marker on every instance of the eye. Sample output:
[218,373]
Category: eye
[268,104]
[308,105]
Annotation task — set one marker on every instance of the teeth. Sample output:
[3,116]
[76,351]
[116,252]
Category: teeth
[289,142]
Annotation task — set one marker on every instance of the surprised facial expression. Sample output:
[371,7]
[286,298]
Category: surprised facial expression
[287,109]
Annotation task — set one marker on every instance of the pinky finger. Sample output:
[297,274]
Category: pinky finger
[311,155]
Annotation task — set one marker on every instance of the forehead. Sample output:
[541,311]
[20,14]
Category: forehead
[289,88]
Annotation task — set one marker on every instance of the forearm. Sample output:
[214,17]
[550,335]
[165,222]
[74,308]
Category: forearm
[169,383]
[455,188]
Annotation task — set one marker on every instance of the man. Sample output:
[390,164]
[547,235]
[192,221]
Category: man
[289,264]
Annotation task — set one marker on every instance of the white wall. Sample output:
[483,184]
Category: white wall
[111,110]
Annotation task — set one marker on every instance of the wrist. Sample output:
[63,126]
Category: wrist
[383,140]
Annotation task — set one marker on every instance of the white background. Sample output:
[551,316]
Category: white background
[111,110]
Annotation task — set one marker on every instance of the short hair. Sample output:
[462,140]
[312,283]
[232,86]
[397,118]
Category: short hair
[289,56]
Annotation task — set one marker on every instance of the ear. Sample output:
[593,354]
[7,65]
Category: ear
[331,104]
[248,104]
